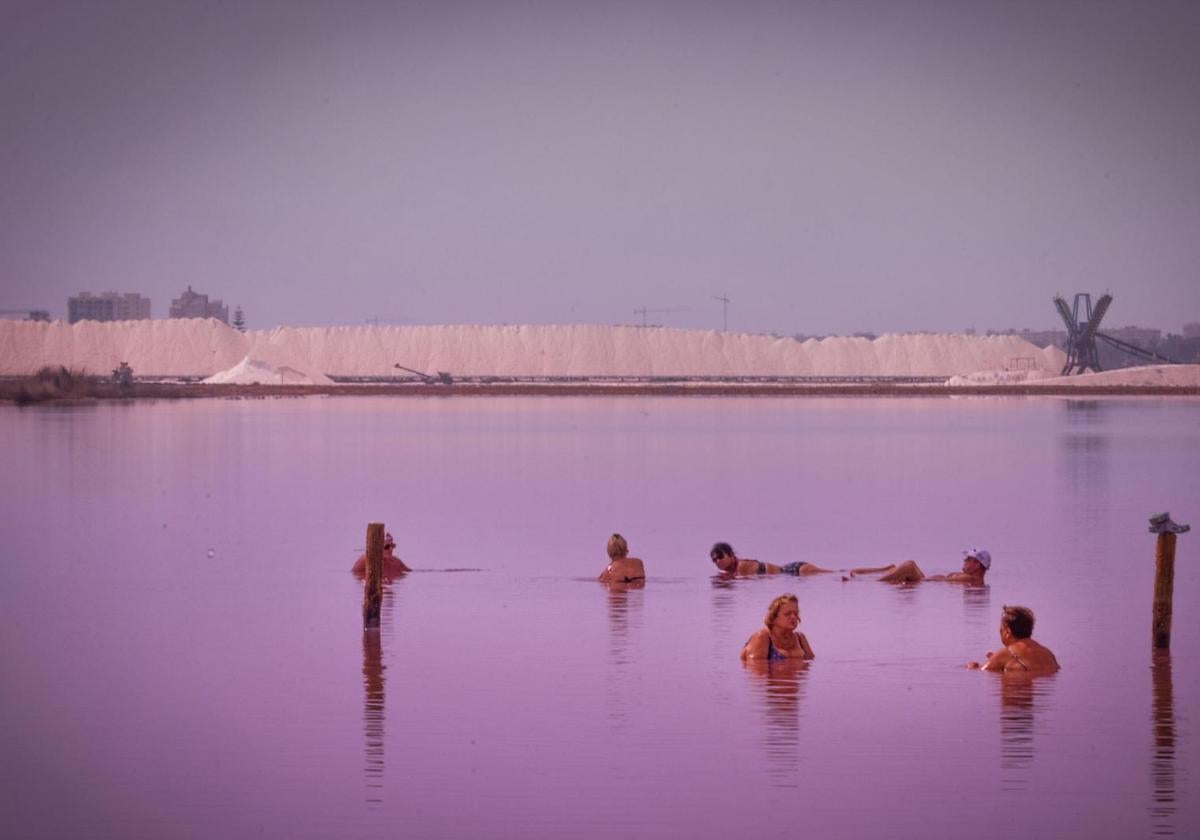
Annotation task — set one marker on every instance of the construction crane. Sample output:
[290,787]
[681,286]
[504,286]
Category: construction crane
[442,377]
[1083,328]
[643,311]
[724,311]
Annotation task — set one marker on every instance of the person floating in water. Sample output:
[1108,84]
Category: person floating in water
[976,562]
[1020,654]
[621,567]
[393,566]
[728,563]
[779,640]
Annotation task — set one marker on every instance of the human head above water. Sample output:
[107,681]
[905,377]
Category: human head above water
[721,549]
[1018,620]
[980,555]
[617,547]
[777,605]
[388,541]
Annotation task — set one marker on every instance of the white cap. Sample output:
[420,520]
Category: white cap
[981,554]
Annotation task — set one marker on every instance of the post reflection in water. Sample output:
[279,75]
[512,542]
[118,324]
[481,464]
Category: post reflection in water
[374,714]
[782,687]
[1162,761]
[1019,695]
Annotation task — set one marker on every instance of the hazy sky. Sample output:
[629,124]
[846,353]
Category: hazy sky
[831,166]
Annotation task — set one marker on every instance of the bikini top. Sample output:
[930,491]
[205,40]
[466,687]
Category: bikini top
[774,654]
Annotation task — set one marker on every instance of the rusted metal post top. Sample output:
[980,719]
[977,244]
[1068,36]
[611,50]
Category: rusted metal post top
[1161,523]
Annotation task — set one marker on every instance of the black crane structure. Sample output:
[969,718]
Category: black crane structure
[1083,328]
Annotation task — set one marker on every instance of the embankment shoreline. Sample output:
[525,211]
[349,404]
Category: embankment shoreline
[11,390]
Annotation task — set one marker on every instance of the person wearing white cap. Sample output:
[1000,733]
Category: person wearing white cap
[393,566]
[976,562]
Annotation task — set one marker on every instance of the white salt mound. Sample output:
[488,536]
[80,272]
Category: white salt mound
[1170,376]
[255,372]
[194,347]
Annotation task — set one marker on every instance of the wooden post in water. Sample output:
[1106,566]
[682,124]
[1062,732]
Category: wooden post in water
[1164,576]
[373,585]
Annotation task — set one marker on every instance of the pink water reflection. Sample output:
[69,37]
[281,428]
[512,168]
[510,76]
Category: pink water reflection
[159,691]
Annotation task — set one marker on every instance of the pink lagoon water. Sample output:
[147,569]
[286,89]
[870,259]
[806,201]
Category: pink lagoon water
[183,657]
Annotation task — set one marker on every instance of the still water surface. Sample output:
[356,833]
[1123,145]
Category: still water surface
[182,652]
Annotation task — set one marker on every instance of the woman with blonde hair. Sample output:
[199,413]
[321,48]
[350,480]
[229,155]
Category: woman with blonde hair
[779,640]
[621,567]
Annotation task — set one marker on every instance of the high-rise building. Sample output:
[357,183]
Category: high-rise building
[107,306]
[195,305]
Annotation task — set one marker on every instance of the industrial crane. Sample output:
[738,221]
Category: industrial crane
[1083,328]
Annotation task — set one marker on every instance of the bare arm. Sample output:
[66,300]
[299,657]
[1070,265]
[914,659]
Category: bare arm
[806,647]
[999,661]
[756,646]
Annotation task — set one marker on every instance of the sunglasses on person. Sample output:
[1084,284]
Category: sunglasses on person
[716,555]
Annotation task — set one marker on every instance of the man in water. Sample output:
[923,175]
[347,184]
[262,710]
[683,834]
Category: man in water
[1020,654]
[393,566]
[728,563]
[976,562]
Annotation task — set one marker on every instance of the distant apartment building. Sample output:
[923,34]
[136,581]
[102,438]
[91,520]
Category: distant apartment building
[107,306]
[24,314]
[195,305]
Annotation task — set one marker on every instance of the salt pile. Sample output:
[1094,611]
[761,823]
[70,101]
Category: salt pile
[193,347]
[251,371]
[166,347]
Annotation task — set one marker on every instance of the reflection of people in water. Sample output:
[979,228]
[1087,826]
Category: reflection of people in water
[728,563]
[976,562]
[393,566]
[1020,654]
[779,640]
[621,567]
[780,688]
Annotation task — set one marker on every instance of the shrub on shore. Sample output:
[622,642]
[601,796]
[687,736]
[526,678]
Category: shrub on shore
[54,383]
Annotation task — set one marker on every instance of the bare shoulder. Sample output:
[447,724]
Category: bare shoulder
[998,661]
[756,646]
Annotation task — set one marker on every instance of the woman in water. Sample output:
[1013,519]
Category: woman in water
[728,563]
[621,567]
[780,639]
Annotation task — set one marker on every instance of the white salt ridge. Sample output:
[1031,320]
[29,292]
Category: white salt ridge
[167,347]
[251,371]
[1167,376]
[193,347]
